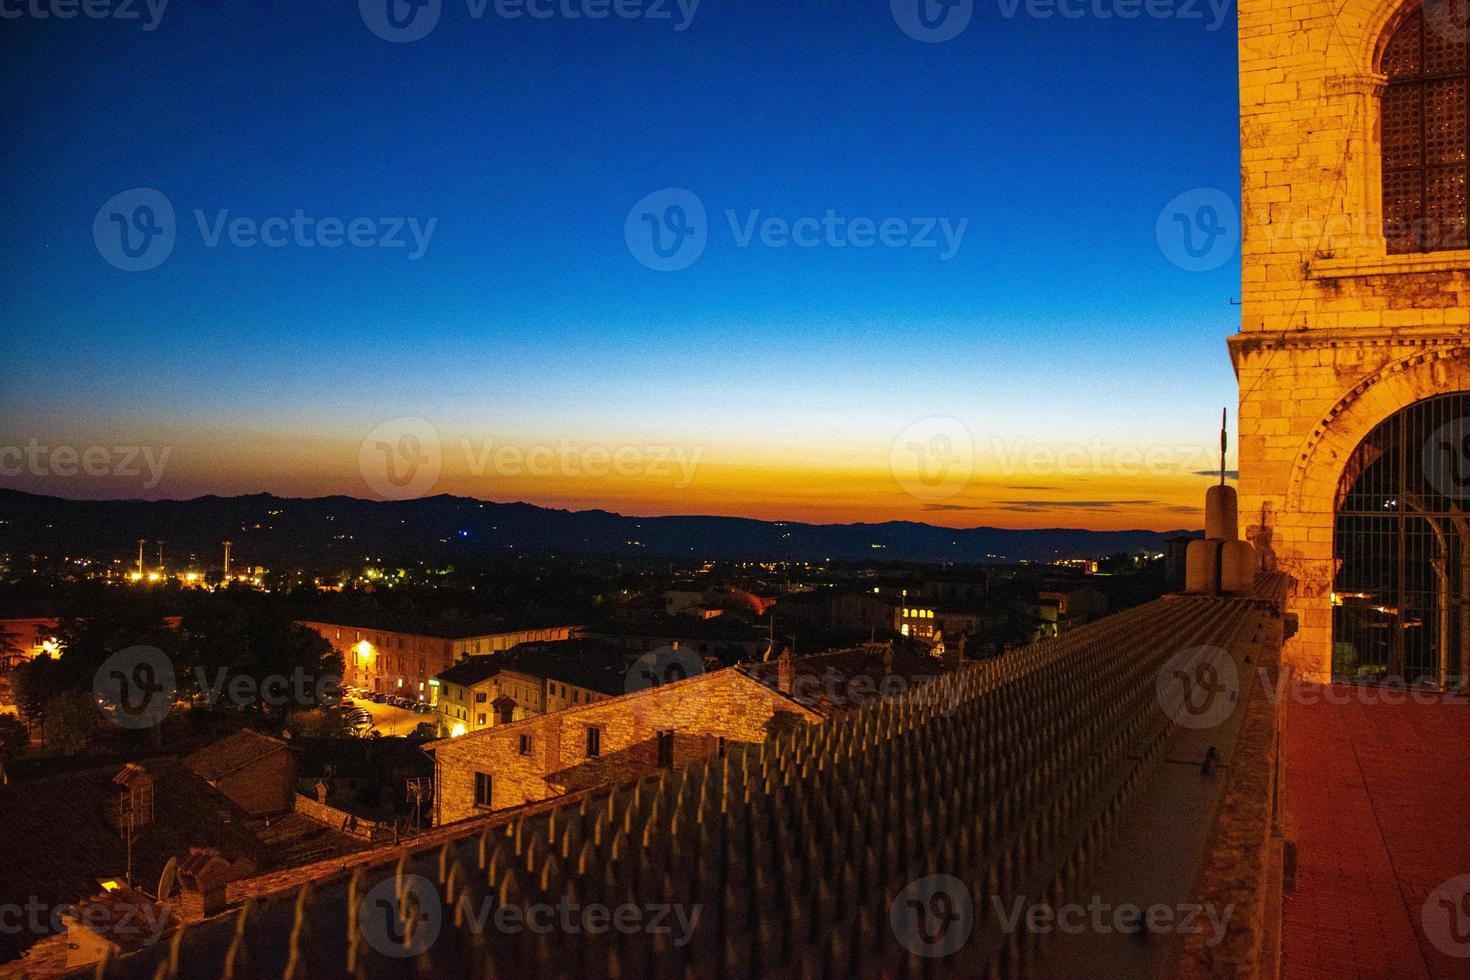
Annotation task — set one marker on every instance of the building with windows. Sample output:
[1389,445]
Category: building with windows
[1353,356]
[662,727]
[402,662]
[528,680]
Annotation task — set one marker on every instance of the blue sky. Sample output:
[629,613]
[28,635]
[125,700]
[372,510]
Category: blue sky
[1057,141]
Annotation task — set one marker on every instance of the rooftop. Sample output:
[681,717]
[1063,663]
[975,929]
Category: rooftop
[231,753]
[587,663]
[895,787]
[63,836]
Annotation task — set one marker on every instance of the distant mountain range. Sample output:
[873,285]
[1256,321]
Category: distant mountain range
[267,529]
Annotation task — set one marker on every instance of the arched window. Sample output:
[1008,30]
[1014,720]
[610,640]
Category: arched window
[1401,596]
[1426,119]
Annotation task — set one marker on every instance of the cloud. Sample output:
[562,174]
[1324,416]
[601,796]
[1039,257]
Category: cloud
[1024,505]
[1229,474]
[952,507]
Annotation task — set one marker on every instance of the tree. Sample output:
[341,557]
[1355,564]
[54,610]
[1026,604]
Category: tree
[37,684]
[250,654]
[72,717]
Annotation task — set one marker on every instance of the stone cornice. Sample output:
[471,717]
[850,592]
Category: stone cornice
[1437,336]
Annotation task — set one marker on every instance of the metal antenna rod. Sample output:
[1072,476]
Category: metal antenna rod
[1222,446]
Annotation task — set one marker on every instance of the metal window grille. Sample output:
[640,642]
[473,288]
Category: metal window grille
[1426,133]
[1401,600]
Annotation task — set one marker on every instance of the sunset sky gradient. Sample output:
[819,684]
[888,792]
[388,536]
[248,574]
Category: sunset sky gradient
[795,376]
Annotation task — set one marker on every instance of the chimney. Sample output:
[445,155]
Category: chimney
[785,672]
[203,876]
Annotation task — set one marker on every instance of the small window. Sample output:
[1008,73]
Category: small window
[525,745]
[480,697]
[483,789]
[594,742]
[480,719]
[666,750]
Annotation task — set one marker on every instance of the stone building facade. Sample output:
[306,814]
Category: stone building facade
[1356,278]
[402,663]
[549,755]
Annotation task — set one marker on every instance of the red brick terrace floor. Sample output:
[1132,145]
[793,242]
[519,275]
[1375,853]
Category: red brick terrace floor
[1378,801]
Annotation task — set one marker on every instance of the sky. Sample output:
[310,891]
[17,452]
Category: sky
[820,261]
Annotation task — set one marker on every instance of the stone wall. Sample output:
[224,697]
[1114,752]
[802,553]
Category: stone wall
[339,820]
[1336,335]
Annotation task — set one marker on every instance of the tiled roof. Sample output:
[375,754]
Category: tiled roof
[63,836]
[472,670]
[839,681]
[234,752]
[589,664]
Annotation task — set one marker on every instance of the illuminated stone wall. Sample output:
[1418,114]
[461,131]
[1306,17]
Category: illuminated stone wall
[1336,335]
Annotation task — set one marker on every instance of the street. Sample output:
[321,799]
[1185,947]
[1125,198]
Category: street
[391,720]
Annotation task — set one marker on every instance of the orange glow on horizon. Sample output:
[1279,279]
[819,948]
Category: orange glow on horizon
[1035,486]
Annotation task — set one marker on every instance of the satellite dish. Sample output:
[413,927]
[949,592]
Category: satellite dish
[168,878]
